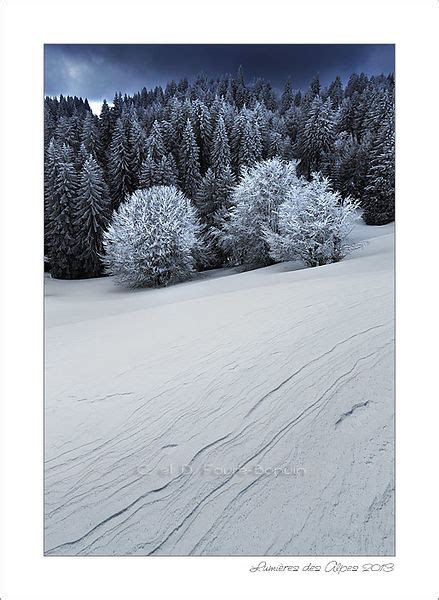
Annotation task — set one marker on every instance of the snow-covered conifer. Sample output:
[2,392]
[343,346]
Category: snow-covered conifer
[287,97]
[105,131]
[378,199]
[221,150]
[90,137]
[136,150]
[335,93]
[316,137]
[92,215]
[118,165]
[214,193]
[189,162]
[60,219]
[155,145]
[246,141]
[157,172]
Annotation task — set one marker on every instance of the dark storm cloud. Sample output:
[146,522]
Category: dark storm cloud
[97,71]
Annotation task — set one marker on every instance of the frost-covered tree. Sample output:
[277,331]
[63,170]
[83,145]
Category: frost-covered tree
[255,201]
[287,98]
[155,145]
[61,203]
[92,215]
[203,132]
[152,238]
[157,172]
[214,193]
[136,151]
[90,137]
[335,93]
[246,141]
[314,225]
[105,131]
[119,173]
[220,158]
[189,162]
[232,124]
[314,86]
[378,200]
[316,137]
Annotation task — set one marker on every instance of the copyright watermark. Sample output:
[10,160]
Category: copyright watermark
[215,471]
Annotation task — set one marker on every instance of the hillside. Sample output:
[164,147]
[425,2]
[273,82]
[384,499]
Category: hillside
[148,392]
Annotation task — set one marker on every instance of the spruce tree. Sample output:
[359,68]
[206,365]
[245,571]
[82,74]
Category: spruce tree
[61,205]
[335,93]
[221,149]
[189,162]
[162,171]
[136,151]
[214,193]
[155,145]
[105,132]
[287,97]
[90,137]
[118,166]
[317,136]
[203,133]
[379,196]
[92,215]
[246,140]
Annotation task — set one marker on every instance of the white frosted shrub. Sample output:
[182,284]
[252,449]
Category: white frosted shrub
[314,225]
[151,239]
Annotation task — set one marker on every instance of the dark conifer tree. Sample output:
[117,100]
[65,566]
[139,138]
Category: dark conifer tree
[379,196]
[119,174]
[105,132]
[316,137]
[287,99]
[90,136]
[189,162]
[92,215]
[61,223]
[221,157]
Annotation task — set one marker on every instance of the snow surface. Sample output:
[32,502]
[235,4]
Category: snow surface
[148,391]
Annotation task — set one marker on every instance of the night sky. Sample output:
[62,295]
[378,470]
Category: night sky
[98,71]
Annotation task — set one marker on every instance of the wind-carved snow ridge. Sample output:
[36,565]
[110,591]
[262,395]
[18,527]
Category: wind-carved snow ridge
[248,414]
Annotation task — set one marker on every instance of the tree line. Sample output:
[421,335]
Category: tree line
[200,137]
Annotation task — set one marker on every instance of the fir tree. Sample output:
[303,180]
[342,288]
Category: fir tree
[317,136]
[214,193]
[90,137]
[221,149]
[157,172]
[61,225]
[92,215]
[287,98]
[379,196]
[118,166]
[335,93]
[105,131]
[136,151]
[155,145]
[189,162]
[246,138]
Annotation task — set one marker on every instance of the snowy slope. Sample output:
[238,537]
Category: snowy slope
[148,392]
